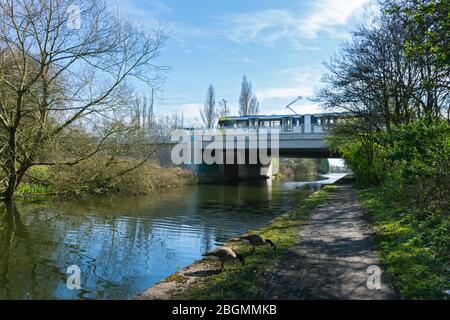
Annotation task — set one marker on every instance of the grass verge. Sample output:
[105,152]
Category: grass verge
[415,253]
[237,282]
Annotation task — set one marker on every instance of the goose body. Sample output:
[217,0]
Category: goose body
[256,241]
[225,254]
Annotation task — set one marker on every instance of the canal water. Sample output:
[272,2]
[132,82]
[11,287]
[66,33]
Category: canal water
[123,245]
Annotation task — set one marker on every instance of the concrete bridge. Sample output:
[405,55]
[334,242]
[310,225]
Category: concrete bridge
[244,147]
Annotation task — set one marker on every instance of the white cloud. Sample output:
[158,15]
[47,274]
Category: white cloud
[191,110]
[155,14]
[264,26]
[268,26]
[328,14]
[153,7]
[298,88]
[282,93]
[303,83]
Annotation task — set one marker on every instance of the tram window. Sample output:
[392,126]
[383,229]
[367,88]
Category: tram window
[276,123]
[287,122]
[242,124]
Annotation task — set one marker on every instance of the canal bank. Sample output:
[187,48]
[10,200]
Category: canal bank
[323,252]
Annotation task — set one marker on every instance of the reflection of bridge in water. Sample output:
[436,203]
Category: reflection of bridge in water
[301,136]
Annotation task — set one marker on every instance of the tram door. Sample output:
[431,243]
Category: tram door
[287,125]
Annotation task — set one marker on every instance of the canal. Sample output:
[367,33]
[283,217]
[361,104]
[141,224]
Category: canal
[123,245]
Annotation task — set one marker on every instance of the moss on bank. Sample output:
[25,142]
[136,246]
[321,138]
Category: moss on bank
[237,282]
[415,253]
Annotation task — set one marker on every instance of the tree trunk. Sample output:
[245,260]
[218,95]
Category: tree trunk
[12,180]
[12,173]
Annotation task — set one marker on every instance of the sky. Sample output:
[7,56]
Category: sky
[279,45]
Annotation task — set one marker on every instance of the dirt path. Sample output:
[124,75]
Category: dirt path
[331,257]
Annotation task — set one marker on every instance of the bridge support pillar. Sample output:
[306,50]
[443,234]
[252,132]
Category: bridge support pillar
[255,171]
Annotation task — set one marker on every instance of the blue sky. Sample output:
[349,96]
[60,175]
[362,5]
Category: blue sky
[280,46]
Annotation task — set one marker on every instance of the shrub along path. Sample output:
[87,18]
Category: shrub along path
[331,257]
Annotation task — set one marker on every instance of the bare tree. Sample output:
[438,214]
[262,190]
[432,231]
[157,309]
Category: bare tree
[374,78]
[62,68]
[144,111]
[248,103]
[209,112]
[254,106]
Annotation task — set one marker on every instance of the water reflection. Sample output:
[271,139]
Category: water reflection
[125,244]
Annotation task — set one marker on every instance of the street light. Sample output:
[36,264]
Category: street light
[293,102]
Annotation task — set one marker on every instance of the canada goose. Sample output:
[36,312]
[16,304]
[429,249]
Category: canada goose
[225,254]
[256,240]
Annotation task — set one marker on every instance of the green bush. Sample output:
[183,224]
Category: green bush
[418,164]
[411,160]
[361,151]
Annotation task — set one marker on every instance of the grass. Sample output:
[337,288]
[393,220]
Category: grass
[28,189]
[237,282]
[415,253]
[36,186]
